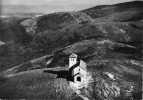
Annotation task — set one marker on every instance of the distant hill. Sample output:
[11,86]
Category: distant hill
[105,10]
[108,38]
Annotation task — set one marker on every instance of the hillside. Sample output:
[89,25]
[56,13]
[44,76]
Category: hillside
[108,10]
[108,38]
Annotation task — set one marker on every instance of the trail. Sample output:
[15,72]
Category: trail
[83,97]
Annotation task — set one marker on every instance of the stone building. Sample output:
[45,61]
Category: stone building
[79,72]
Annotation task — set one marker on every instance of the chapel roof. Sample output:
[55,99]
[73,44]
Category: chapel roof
[73,55]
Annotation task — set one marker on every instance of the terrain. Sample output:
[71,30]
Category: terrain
[108,38]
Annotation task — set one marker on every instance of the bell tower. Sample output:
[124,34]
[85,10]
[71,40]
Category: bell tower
[72,59]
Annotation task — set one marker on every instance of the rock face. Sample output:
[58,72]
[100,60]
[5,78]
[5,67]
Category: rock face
[108,38]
